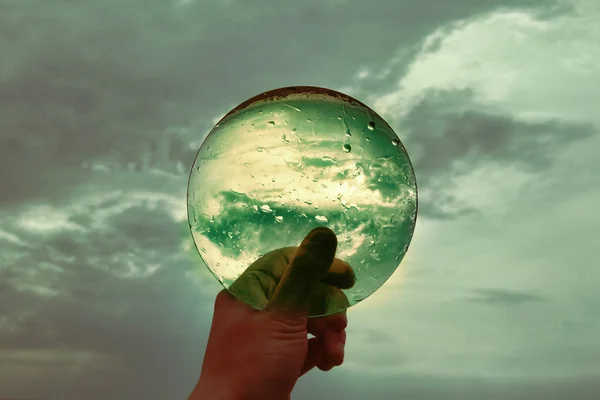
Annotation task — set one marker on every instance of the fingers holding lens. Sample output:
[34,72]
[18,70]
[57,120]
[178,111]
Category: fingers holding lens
[341,275]
[327,299]
[310,267]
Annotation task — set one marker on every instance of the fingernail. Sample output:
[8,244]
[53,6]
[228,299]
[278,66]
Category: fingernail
[323,236]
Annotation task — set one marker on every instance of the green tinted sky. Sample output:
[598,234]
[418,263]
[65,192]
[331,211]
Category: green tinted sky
[104,104]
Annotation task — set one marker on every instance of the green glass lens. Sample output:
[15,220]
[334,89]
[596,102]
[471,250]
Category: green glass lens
[289,160]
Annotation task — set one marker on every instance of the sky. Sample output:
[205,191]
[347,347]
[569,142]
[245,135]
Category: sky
[104,105]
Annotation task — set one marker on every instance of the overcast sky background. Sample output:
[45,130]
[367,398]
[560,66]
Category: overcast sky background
[103,105]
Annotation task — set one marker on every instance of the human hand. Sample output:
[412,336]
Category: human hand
[253,354]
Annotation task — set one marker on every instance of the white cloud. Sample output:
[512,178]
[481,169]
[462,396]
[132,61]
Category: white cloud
[45,219]
[525,66]
[39,290]
[12,238]
[363,73]
[490,189]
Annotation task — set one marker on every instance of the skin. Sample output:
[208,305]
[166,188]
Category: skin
[259,351]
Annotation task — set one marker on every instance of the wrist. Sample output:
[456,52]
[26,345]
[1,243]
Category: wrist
[212,390]
[206,391]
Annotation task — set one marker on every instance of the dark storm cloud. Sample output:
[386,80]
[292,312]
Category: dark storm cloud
[439,206]
[86,80]
[449,134]
[450,126]
[146,325]
[48,130]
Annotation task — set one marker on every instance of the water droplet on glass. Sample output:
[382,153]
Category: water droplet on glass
[279,218]
[266,208]
[347,148]
[371,126]
[395,142]
[321,218]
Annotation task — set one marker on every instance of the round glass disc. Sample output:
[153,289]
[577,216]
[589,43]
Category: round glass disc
[292,159]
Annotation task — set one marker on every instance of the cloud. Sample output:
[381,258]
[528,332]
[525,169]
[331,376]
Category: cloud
[476,92]
[106,80]
[110,297]
[488,88]
[471,159]
[503,297]
[444,127]
[498,58]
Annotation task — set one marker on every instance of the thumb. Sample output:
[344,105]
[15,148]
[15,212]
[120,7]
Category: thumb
[308,267]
